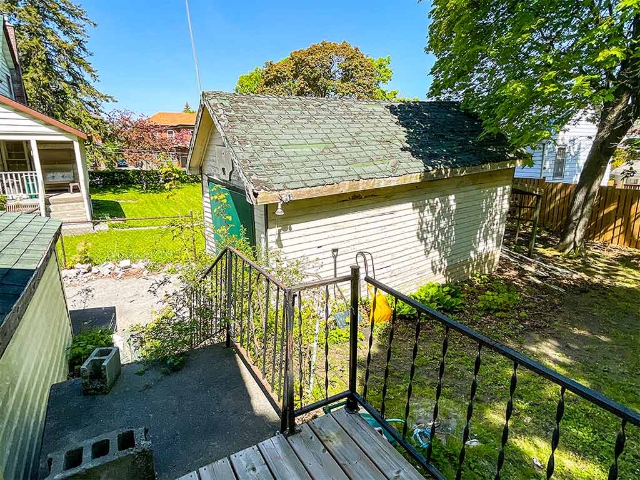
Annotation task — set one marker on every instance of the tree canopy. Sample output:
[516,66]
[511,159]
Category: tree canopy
[58,76]
[325,69]
[527,69]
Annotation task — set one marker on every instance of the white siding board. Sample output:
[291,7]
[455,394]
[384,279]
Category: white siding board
[34,360]
[577,136]
[18,123]
[388,222]
[208,219]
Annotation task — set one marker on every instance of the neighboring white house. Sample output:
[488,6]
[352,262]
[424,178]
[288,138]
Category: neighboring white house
[42,161]
[561,158]
[409,182]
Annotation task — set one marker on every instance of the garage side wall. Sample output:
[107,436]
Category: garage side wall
[34,359]
[441,230]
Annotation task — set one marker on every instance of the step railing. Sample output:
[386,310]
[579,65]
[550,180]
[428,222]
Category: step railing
[294,337]
[19,185]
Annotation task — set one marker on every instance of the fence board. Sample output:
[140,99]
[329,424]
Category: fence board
[615,218]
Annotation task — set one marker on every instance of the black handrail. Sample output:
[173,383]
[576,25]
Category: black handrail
[571,385]
[234,280]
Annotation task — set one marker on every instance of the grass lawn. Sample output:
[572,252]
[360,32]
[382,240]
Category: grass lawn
[586,326]
[172,240]
[134,202]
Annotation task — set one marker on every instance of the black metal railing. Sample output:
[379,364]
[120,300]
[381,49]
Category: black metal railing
[302,343]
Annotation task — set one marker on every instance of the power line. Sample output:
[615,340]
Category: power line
[193,46]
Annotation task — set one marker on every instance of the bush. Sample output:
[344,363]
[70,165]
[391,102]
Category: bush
[3,202]
[443,298]
[82,253]
[83,345]
[147,179]
[498,299]
[166,340]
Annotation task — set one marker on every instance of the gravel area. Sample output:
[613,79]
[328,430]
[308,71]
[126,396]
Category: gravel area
[136,297]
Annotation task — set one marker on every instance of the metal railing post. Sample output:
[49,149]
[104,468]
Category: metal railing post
[288,411]
[352,403]
[227,341]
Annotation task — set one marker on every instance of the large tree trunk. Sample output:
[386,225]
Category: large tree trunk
[615,121]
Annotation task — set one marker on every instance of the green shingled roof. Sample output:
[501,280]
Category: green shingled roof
[24,242]
[283,143]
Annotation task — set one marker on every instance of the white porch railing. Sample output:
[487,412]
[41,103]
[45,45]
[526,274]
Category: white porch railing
[19,185]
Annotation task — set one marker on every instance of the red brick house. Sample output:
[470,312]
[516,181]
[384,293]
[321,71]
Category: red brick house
[177,125]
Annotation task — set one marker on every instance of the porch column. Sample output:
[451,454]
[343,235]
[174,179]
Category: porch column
[36,162]
[81,165]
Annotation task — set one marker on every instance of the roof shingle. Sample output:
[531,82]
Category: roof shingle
[293,142]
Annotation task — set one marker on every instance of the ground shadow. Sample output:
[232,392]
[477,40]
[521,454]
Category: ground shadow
[210,409]
[89,318]
[107,209]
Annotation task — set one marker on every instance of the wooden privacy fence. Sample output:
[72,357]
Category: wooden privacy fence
[615,218]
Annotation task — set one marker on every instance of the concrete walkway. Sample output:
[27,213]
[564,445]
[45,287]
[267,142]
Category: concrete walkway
[210,409]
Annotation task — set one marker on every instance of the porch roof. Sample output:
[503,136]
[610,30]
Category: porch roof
[26,241]
[42,117]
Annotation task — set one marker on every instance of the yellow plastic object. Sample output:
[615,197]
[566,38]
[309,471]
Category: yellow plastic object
[382,312]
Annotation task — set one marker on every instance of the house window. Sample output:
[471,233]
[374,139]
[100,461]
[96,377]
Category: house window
[558,166]
[15,156]
[171,133]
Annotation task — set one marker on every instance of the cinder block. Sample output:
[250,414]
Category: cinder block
[100,371]
[121,454]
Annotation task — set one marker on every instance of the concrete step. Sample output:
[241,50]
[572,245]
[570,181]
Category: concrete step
[61,198]
[66,207]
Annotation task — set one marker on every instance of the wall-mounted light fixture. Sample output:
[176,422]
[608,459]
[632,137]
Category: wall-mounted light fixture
[286,198]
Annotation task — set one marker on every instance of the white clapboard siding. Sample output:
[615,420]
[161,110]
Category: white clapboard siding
[208,219]
[17,123]
[577,137]
[260,226]
[34,359]
[439,230]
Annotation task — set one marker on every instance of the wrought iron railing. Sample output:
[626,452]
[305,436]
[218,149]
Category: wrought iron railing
[293,338]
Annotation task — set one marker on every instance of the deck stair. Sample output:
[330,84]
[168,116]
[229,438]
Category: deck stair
[340,445]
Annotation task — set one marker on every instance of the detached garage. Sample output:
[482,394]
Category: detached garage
[413,183]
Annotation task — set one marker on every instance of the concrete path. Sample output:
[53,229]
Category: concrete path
[210,409]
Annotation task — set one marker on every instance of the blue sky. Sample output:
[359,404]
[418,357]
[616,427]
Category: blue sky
[143,53]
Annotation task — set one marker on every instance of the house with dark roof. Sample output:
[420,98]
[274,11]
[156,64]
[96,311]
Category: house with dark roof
[415,183]
[43,165]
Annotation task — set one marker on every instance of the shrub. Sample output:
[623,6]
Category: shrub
[3,202]
[147,179]
[83,344]
[165,340]
[82,253]
[443,298]
[498,299]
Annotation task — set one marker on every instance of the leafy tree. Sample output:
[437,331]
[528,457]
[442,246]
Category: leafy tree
[187,108]
[529,68]
[58,76]
[138,140]
[249,82]
[325,69]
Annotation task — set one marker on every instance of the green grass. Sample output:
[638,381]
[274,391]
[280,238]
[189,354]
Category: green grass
[160,245]
[172,242]
[590,332]
[133,202]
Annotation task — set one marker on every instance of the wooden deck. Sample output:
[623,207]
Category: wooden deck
[336,446]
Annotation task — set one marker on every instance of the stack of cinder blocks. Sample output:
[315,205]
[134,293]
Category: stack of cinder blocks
[100,371]
[121,454]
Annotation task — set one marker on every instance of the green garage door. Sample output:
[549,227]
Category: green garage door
[240,211]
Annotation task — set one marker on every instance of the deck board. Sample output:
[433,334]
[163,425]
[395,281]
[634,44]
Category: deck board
[220,470]
[355,463]
[249,464]
[378,449]
[338,446]
[315,457]
[281,459]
